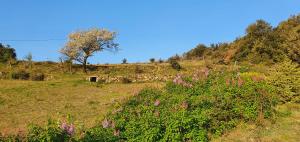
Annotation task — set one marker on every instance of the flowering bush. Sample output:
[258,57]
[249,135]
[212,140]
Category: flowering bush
[190,112]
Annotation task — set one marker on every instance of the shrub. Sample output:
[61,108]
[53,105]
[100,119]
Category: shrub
[124,61]
[37,76]
[21,75]
[285,77]
[175,65]
[52,132]
[152,60]
[160,61]
[191,112]
[4,75]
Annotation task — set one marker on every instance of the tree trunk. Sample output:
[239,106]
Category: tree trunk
[84,64]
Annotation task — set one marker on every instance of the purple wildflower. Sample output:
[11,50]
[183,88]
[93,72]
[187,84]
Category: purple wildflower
[69,129]
[156,103]
[206,72]
[105,123]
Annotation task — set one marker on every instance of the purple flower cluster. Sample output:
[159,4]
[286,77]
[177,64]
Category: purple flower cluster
[157,103]
[179,81]
[110,124]
[106,123]
[69,129]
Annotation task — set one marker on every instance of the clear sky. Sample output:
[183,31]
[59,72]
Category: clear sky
[146,28]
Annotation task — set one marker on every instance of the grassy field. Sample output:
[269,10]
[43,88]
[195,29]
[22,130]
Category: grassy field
[25,102]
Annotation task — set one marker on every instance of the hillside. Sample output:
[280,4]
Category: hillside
[245,90]
[261,43]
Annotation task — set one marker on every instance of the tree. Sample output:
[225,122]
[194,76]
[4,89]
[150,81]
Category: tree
[7,53]
[83,44]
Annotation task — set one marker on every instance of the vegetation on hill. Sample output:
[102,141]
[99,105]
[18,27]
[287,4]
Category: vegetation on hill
[202,102]
[7,53]
[262,43]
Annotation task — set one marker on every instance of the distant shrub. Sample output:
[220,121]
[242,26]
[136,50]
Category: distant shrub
[160,61]
[124,61]
[20,75]
[175,65]
[152,60]
[37,76]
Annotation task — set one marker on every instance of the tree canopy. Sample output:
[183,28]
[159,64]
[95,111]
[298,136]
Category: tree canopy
[261,43]
[83,44]
[7,53]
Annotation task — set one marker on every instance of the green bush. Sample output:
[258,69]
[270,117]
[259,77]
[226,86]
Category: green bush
[285,77]
[52,132]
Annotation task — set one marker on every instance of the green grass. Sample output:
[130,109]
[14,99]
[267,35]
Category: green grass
[25,102]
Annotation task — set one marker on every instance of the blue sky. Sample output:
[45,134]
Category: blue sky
[146,28]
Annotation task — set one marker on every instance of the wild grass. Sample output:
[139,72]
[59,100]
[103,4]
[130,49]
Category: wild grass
[25,102]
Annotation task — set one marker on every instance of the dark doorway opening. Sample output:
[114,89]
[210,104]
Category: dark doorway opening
[93,79]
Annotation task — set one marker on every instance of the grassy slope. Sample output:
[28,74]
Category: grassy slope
[286,128]
[23,102]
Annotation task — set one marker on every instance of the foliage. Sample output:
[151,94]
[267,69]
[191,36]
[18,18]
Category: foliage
[188,113]
[175,65]
[83,44]
[286,77]
[262,43]
[52,132]
[7,53]
[152,60]
[124,61]
[197,52]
